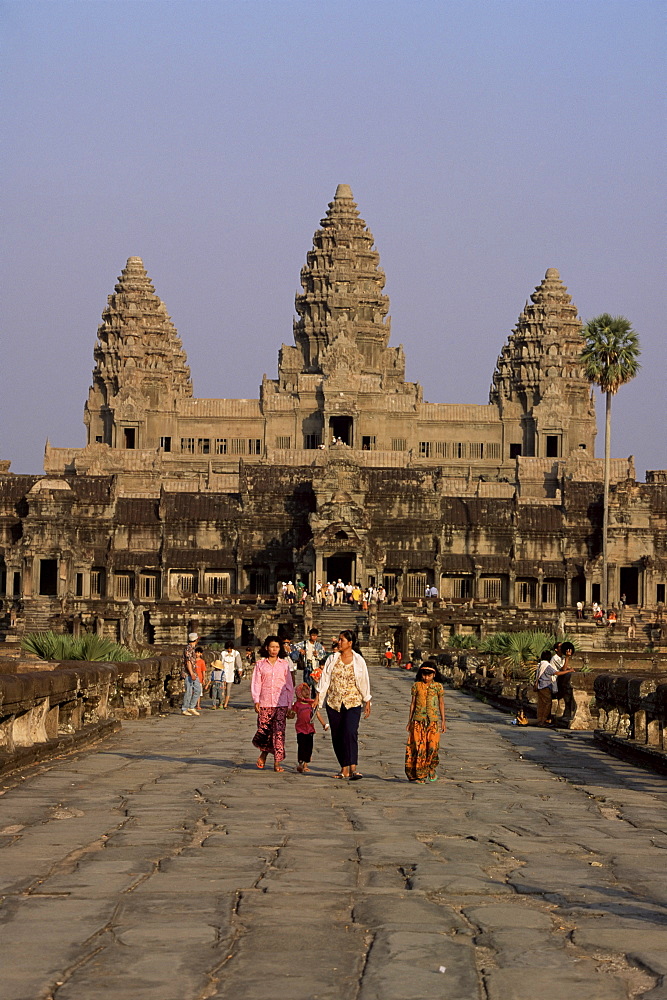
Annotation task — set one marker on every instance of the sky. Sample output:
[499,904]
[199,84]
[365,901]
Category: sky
[484,142]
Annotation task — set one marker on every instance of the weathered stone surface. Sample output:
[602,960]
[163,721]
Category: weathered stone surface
[150,869]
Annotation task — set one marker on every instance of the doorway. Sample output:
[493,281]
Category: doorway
[340,567]
[629,584]
[48,577]
[340,428]
[578,589]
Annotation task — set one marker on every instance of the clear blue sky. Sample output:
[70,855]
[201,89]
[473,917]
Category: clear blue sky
[484,143]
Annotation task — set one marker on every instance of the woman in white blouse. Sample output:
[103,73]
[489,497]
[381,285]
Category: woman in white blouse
[344,688]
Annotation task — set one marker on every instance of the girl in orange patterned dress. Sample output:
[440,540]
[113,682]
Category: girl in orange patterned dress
[426,722]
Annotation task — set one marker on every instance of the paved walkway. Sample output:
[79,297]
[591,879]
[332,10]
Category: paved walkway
[164,866]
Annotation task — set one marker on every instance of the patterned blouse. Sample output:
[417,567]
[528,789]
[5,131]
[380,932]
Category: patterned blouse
[427,697]
[189,662]
[343,688]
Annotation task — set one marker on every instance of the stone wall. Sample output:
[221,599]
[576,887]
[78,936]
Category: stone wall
[574,709]
[52,710]
[633,717]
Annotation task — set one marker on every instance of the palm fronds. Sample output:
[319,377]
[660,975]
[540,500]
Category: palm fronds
[519,652]
[463,642]
[91,648]
[611,352]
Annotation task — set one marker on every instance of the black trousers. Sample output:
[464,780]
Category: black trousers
[344,733]
[304,744]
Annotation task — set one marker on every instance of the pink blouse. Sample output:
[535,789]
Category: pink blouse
[272,685]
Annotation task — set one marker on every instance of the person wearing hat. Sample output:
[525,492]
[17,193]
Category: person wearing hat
[189,674]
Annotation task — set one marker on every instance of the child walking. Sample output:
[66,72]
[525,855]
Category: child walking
[302,709]
[426,722]
[201,672]
[217,681]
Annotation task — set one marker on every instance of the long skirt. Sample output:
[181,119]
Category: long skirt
[270,735]
[421,751]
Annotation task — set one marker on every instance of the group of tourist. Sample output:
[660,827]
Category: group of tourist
[330,594]
[553,664]
[226,670]
[338,682]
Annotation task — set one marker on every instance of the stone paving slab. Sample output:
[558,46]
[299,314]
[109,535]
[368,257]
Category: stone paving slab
[164,866]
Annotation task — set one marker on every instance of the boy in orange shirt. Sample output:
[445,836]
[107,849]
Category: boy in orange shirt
[200,667]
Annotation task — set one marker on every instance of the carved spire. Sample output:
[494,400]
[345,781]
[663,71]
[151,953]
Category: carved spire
[138,347]
[545,345]
[342,290]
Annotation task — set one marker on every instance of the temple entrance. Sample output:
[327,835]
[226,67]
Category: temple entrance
[578,589]
[629,584]
[340,567]
[48,577]
[340,427]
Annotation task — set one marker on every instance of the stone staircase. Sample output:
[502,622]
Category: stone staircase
[41,615]
[591,637]
[332,621]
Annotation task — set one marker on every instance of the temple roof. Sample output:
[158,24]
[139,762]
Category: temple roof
[544,346]
[138,345]
[342,299]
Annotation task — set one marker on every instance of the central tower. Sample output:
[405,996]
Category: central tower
[342,293]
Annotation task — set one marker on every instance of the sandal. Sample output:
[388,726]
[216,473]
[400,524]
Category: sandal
[261,761]
[277,767]
[356,776]
[341,775]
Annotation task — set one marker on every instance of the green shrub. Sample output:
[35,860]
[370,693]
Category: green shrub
[519,652]
[463,642]
[91,648]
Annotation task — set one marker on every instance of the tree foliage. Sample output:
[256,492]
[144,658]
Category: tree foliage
[91,648]
[519,652]
[611,353]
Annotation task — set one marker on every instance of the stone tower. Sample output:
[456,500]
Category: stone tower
[539,387]
[343,295]
[140,369]
[336,384]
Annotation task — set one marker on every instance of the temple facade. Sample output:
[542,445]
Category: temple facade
[339,468]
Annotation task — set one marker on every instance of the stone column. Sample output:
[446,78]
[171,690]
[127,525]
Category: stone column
[568,590]
[475,582]
[64,585]
[319,567]
[28,576]
[540,581]
[511,589]
[360,570]
[612,589]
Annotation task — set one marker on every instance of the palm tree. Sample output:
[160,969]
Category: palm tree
[610,359]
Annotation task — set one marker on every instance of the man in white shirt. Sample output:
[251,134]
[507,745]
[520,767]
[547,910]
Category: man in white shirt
[231,662]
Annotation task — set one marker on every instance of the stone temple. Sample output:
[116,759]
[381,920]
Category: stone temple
[339,469]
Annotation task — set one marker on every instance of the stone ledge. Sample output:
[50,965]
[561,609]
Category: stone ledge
[23,757]
[632,751]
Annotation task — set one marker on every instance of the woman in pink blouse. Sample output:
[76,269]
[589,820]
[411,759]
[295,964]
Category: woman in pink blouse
[272,690]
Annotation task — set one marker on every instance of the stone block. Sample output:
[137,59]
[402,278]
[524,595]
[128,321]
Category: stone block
[584,984]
